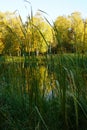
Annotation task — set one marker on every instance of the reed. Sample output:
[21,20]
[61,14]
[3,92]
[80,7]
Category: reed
[44,93]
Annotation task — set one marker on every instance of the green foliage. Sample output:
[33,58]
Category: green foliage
[44,96]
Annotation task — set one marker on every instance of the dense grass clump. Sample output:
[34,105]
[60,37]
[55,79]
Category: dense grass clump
[47,96]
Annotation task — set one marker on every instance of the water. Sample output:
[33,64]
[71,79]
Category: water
[27,78]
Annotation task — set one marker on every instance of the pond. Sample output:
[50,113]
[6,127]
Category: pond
[28,78]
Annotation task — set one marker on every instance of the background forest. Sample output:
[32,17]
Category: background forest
[38,36]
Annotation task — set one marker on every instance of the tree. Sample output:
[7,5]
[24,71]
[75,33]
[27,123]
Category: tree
[71,32]
[40,33]
[10,30]
[78,27]
[61,26]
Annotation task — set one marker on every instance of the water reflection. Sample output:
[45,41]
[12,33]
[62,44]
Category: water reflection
[33,79]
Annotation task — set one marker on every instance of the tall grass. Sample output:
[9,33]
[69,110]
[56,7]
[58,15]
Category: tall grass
[42,97]
[44,93]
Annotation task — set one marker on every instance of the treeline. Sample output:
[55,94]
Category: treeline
[38,36]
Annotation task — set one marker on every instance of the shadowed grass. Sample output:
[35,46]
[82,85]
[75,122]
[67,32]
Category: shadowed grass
[48,97]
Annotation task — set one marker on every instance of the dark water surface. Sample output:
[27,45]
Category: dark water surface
[23,77]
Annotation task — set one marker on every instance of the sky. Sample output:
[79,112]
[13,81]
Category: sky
[53,8]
